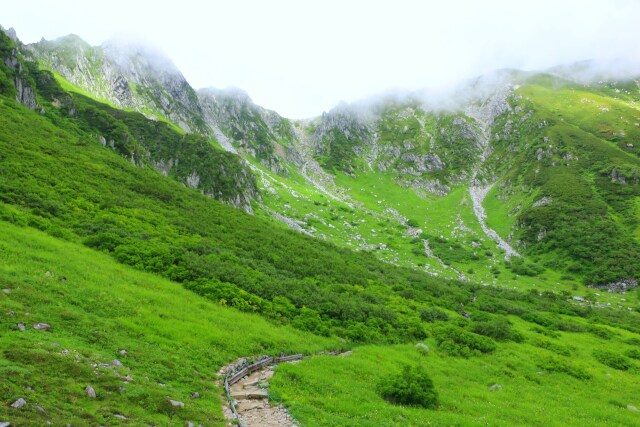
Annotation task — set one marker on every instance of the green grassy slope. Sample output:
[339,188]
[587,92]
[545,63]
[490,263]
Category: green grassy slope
[541,382]
[175,340]
[55,176]
[571,190]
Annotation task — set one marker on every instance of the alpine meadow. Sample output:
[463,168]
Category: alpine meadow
[172,256]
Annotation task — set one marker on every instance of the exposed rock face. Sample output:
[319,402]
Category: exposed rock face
[11,32]
[241,126]
[113,70]
[343,134]
[176,403]
[25,94]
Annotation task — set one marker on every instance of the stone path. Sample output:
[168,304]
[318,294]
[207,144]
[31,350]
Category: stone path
[253,405]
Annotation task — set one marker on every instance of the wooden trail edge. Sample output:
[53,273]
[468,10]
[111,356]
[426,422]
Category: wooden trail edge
[239,371]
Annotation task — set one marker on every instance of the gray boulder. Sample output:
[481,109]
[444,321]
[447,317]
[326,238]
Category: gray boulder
[90,392]
[19,403]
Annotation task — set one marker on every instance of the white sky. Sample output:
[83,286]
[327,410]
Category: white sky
[302,57]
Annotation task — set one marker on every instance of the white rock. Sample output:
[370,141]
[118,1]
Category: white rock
[176,403]
[90,392]
[19,403]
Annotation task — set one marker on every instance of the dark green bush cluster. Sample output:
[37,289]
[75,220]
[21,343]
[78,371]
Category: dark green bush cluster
[455,341]
[432,314]
[523,268]
[612,360]
[411,387]
[634,353]
[499,329]
[562,365]
[556,348]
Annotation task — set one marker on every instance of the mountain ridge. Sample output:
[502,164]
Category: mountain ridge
[430,150]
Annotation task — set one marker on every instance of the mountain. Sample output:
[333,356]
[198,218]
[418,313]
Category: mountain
[163,228]
[499,136]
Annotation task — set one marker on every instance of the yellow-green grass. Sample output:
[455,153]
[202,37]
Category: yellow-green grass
[175,340]
[516,385]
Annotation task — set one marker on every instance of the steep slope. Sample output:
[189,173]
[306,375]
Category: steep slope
[57,175]
[570,176]
[398,166]
[189,158]
[126,74]
[140,342]
[241,126]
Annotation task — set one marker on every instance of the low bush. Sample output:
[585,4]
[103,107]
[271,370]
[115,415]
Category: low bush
[561,365]
[499,329]
[457,342]
[432,314]
[411,387]
[612,360]
[634,353]
[556,348]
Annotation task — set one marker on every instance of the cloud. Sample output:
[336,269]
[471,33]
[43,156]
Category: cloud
[300,58]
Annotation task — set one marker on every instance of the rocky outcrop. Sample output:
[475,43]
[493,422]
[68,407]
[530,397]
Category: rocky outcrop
[130,76]
[619,287]
[243,127]
[25,90]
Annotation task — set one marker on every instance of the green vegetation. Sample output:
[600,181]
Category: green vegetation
[582,175]
[517,384]
[175,341]
[412,386]
[114,234]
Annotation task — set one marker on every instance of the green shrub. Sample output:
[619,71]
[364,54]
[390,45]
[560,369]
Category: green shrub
[612,360]
[413,223]
[634,353]
[458,342]
[556,348]
[411,387]
[519,266]
[499,329]
[540,319]
[432,314]
[601,332]
[545,332]
[560,365]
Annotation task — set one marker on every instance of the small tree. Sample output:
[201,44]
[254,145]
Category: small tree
[411,387]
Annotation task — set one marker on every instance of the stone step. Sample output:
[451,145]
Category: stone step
[255,394]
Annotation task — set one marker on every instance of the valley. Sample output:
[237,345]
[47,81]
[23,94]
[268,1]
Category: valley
[162,232]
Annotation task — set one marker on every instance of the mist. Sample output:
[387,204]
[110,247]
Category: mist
[303,60]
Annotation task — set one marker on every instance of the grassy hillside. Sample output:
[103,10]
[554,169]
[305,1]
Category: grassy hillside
[544,381]
[112,213]
[571,185]
[175,341]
